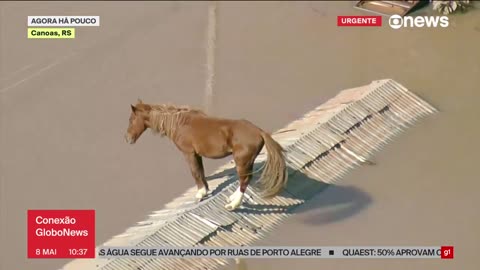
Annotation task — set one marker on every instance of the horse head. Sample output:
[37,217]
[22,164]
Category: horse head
[138,121]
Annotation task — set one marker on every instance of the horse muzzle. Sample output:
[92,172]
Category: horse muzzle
[129,139]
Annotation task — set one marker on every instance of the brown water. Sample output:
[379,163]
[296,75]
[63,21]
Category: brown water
[64,109]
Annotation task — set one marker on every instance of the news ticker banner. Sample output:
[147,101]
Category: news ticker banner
[288,252]
[58,27]
[71,234]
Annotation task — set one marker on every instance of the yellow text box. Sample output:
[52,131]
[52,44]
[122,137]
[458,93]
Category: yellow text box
[51,32]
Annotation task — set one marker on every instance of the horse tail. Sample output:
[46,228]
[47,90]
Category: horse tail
[274,176]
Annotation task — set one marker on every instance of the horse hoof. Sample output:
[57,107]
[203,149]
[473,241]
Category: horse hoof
[201,193]
[229,207]
[233,205]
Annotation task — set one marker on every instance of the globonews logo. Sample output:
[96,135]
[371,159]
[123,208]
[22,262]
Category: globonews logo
[397,21]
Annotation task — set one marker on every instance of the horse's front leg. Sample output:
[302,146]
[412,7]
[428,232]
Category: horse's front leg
[196,167]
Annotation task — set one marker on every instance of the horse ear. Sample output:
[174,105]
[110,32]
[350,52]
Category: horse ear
[134,109]
[140,101]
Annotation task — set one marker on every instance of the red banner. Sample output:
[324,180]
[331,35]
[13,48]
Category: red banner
[61,233]
[359,21]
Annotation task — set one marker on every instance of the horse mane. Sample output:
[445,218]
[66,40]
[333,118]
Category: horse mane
[166,118]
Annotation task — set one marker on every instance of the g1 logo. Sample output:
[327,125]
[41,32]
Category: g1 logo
[447,252]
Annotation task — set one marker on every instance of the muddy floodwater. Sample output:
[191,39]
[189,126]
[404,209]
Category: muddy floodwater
[65,107]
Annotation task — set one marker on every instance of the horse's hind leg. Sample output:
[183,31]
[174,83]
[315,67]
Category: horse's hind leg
[244,181]
[236,199]
[244,163]
[196,167]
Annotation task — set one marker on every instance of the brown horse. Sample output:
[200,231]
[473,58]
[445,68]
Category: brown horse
[197,135]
